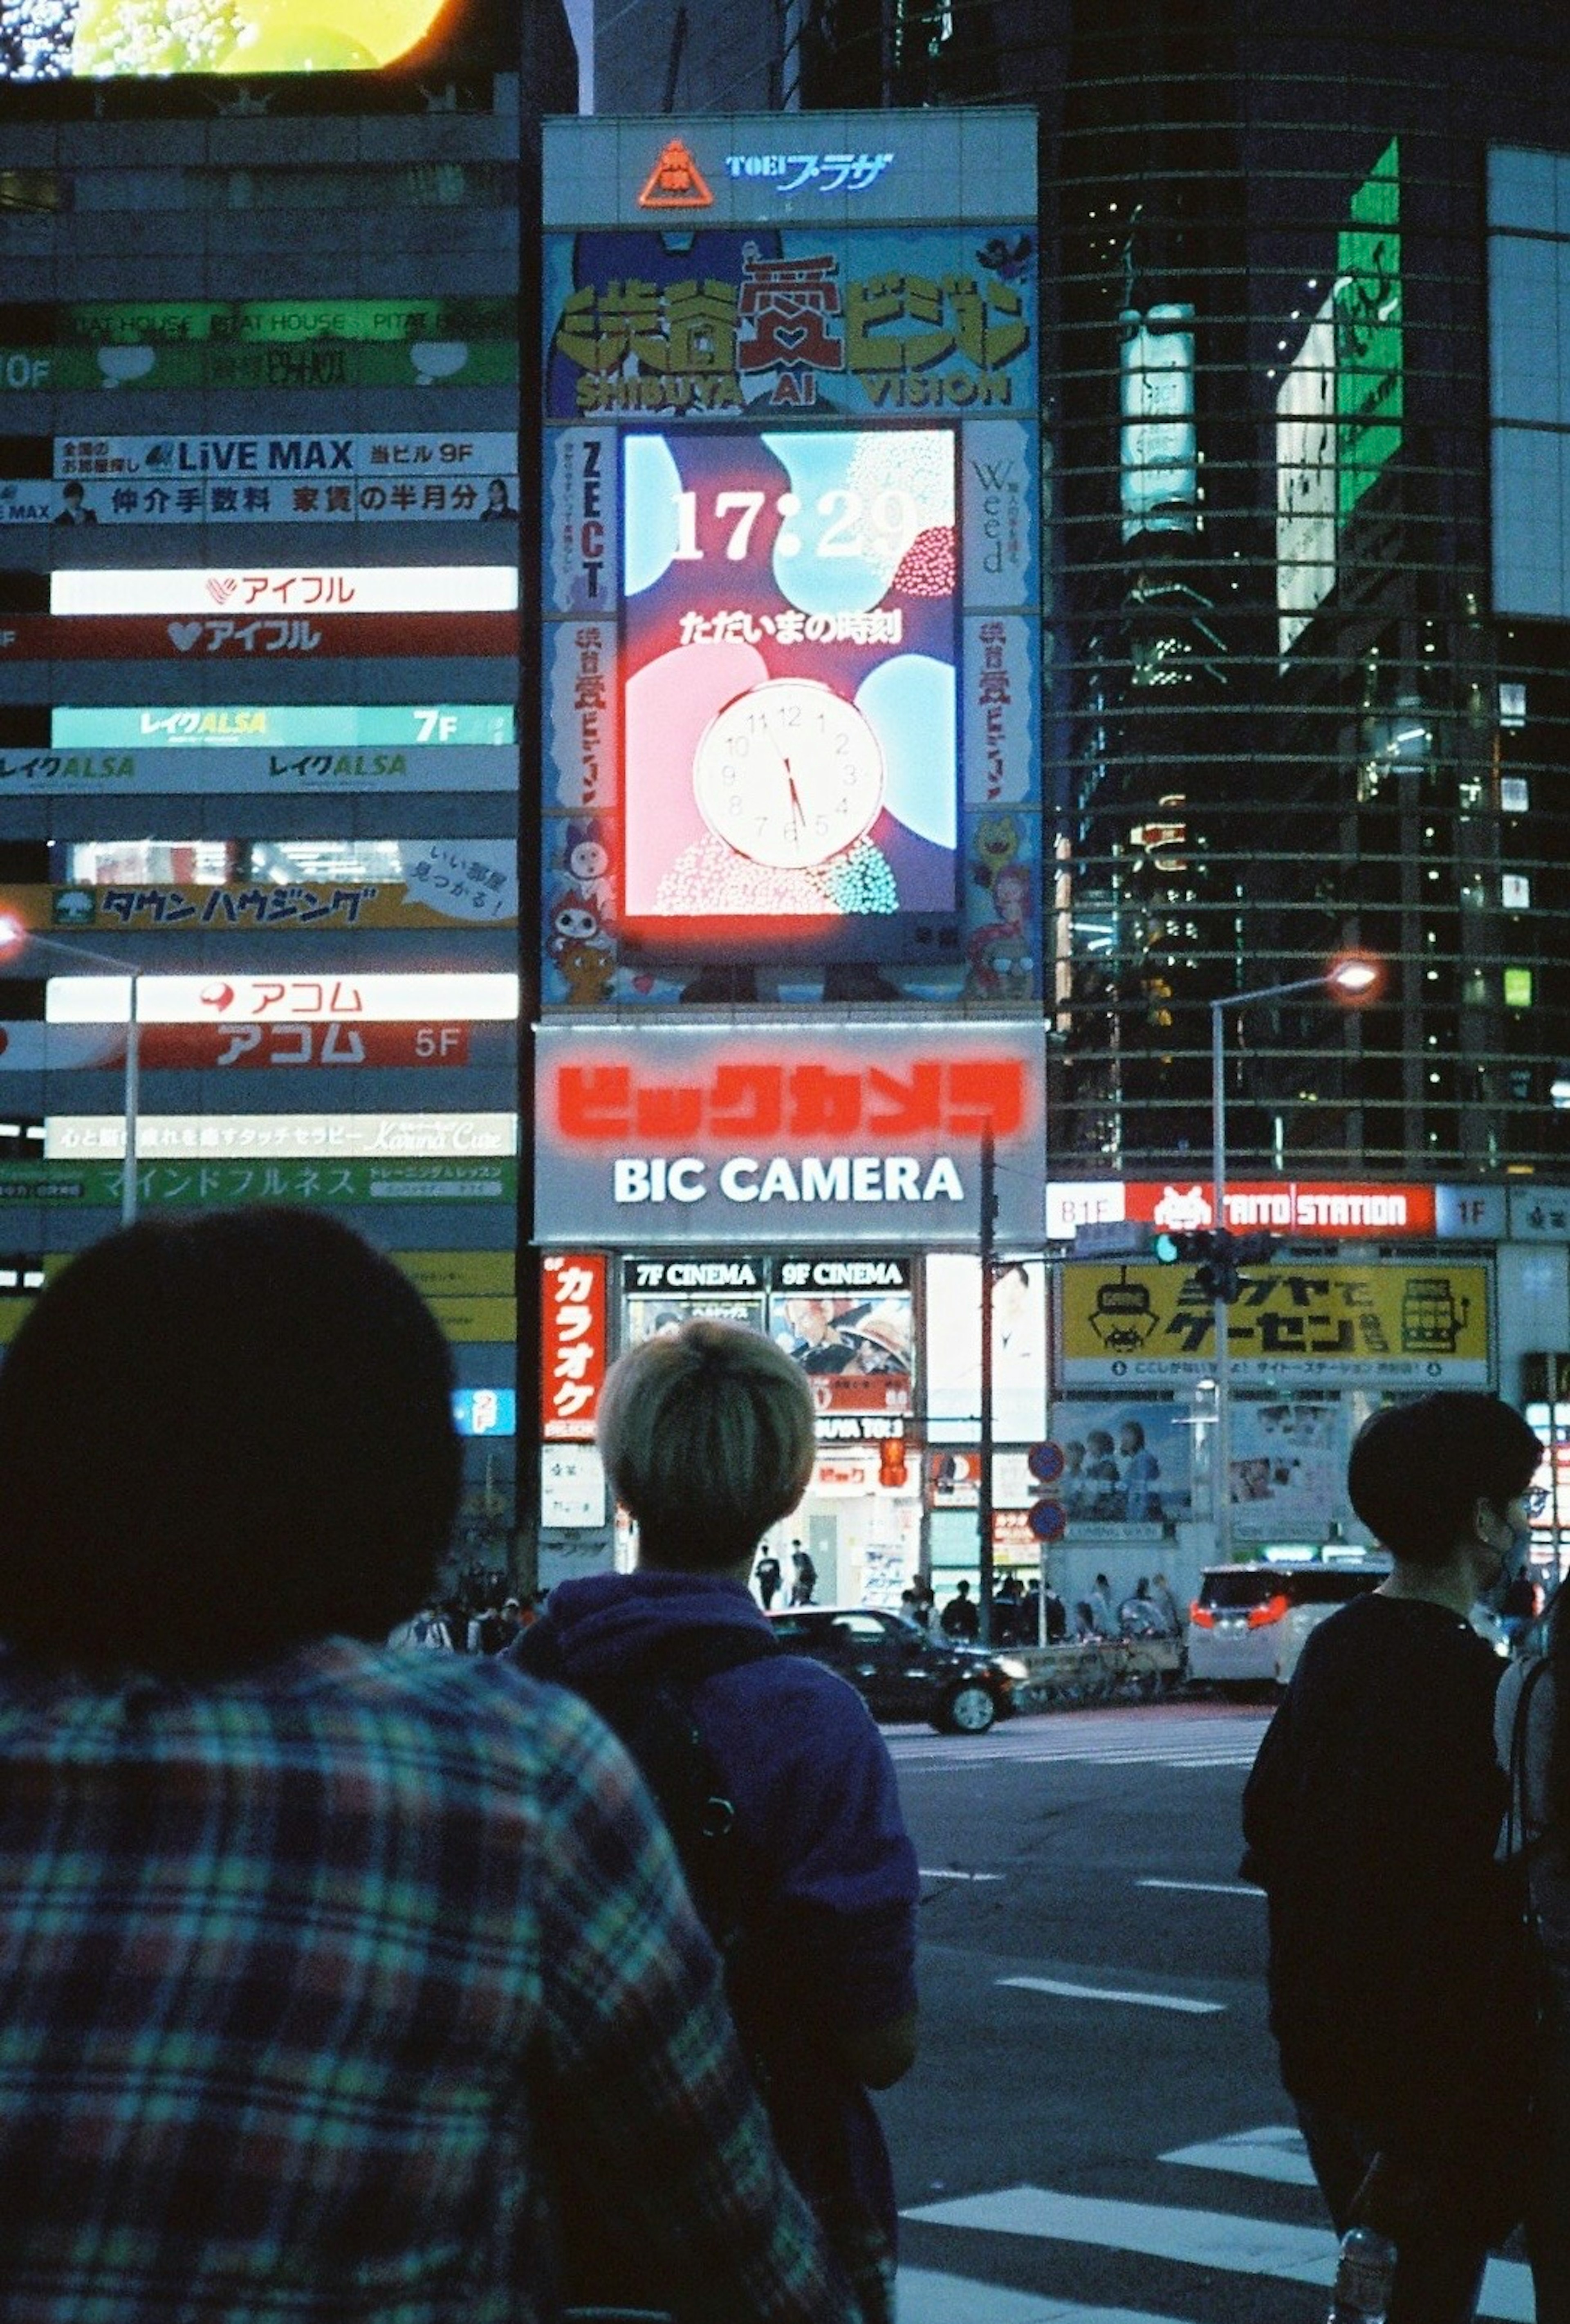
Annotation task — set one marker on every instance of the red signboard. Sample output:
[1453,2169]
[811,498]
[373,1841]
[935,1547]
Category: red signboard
[333,1043]
[252,637]
[795,1103]
[1340,1210]
[572,1342]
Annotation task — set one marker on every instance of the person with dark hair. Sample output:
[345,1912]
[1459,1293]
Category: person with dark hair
[708,1440]
[315,1955]
[1532,1731]
[961,1618]
[1371,1819]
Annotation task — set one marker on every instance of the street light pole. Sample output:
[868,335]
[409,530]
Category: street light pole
[14,939]
[1349,980]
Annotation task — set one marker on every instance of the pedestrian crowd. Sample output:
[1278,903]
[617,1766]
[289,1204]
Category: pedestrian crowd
[370,1955]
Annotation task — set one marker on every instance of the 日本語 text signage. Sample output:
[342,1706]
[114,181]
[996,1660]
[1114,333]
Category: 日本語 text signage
[321,767]
[379,997]
[453,883]
[286,726]
[573,1310]
[97,1186]
[289,1137]
[92,480]
[1293,1207]
[1417,1325]
[790,556]
[812,1134]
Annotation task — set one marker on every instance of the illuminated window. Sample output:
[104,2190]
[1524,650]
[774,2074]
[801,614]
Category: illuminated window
[1517,988]
[1516,892]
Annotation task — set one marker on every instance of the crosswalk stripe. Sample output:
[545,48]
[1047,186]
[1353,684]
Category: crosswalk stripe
[928,2296]
[1275,2153]
[1216,2239]
[1213,2239]
[1109,1993]
[1206,1887]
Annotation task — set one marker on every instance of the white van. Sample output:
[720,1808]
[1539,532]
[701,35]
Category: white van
[1248,1624]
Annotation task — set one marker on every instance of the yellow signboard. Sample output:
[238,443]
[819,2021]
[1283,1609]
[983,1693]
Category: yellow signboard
[1416,1326]
[459,1274]
[471,1322]
[455,892]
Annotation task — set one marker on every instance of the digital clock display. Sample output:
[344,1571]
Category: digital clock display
[789,650]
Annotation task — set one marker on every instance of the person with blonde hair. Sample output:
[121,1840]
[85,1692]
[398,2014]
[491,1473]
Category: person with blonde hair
[708,1440]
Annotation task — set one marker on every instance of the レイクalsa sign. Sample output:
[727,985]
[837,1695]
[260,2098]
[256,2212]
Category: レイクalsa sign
[815,1135]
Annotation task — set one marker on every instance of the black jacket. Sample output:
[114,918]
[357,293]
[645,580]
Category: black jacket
[1372,1817]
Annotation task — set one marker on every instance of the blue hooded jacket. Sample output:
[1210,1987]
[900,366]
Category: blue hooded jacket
[817,1808]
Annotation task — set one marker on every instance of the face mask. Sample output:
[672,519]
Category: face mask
[1512,1563]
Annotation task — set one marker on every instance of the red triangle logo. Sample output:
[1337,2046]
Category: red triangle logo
[676,183]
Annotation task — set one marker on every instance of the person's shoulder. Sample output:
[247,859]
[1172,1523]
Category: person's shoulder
[478,1708]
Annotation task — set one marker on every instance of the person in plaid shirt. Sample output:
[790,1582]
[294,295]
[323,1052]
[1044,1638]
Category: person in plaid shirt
[318,1961]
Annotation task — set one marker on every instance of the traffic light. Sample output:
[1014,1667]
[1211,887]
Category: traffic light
[1216,1256]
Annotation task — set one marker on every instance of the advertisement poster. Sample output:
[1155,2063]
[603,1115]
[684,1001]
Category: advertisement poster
[954,1350]
[1289,1468]
[857,1353]
[1126,1467]
[97,480]
[1416,1326]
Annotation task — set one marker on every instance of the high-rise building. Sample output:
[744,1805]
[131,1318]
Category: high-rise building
[263,384]
[1303,521]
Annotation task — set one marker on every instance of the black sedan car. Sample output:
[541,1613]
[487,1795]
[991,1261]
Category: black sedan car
[899,1671]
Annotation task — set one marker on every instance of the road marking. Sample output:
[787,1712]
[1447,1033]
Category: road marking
[1215,2239]
[929,1872]
[1206,1887]
[1108,1993]
[1275,2153]
[926,2297]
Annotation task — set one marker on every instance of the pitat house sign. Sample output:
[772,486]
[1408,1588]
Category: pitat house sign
[808,1134]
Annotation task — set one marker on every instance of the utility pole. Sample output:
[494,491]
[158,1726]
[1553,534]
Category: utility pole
[989,1219]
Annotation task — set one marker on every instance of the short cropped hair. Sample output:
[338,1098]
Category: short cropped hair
[1417,1471]
[708,1439]
[221,1436]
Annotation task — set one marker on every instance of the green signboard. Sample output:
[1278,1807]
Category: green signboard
[223,363]
[1367,333]
[285,322]
[96,1185]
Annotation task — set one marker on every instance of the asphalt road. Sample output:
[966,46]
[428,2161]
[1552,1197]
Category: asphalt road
[1106,2143]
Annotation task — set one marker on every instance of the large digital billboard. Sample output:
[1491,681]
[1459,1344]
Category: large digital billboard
[790,566]
[789,654]
[142,39]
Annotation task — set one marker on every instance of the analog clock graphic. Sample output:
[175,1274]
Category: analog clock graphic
[788,774]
